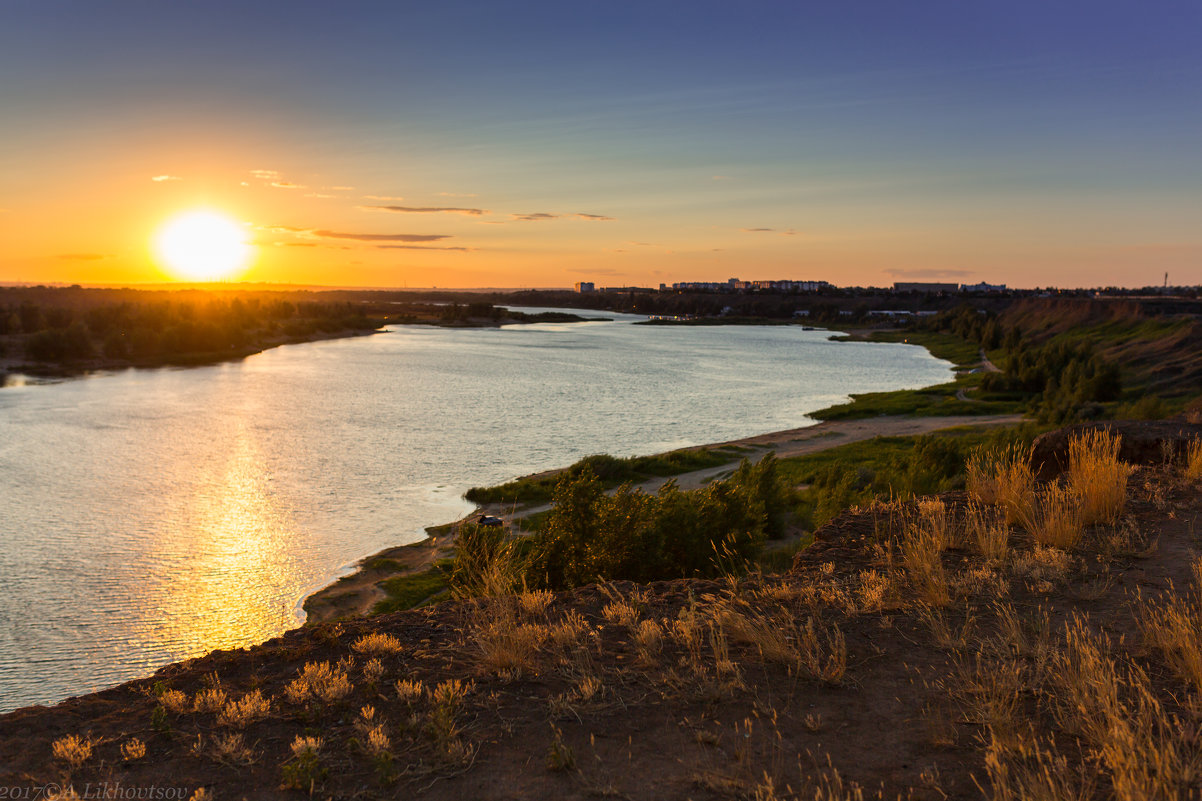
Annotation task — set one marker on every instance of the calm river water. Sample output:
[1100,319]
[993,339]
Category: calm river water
[153,515]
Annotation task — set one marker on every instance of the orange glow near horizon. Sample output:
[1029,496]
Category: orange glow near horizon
[202,245]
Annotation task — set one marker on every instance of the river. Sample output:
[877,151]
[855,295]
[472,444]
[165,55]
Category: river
[149,516]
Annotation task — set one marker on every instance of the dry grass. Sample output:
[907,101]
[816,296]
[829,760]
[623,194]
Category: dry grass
[621,613]
[1097,476]
[409,690]
[649,640]
[248,709]
[922,547]
[1172,625]
[504,645]
[73,749]
[377,644]
[1111,705]
[1003,479]
[319,681]
[988,532]
[1193,460]
[534,602]
[1056,518]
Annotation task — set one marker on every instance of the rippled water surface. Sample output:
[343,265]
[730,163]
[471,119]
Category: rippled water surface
[149,516]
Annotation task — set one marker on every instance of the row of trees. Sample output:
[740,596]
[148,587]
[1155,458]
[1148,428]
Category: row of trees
[167,329]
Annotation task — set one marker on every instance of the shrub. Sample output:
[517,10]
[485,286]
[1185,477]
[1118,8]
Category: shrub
[1056,518]
[377,643]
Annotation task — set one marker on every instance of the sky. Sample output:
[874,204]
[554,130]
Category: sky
[537,144]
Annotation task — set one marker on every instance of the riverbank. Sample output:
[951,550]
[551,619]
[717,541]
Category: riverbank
[361,591]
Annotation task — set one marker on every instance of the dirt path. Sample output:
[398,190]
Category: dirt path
[358,592]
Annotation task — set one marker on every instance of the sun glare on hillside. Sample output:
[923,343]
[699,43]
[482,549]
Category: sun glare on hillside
[202,246]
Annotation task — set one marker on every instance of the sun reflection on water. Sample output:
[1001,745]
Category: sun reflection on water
[228,553]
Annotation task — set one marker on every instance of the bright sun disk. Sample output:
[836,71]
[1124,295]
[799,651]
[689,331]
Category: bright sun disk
[202,246]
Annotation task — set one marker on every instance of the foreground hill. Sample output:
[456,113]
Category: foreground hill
[926,649]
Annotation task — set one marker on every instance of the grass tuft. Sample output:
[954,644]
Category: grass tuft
[1097,476]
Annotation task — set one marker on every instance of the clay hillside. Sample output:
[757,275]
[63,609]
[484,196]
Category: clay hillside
[1038,635]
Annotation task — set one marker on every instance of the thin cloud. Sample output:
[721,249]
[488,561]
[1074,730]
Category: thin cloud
[421,247]
[341,188]
[786,232]
[318,194]
[428,210]
[382,237]
[539,216]
[457,194]
[265,175]
[389,198]
[286,185]
[158,179]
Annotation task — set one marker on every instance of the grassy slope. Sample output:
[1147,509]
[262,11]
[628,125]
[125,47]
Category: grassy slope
[936,401]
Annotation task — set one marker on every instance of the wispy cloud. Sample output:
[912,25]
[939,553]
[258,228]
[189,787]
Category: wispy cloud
[386,198]
[319,194]
[784,232]
[286,185]
[421,247]
[539,216]
[158,179]
[457,194]
[341,188]
[428,210]
[265,175]
[381,237]
[84,256]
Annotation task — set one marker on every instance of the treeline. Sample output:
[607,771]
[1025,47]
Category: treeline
[1062,380]
[164,329]
[591,536]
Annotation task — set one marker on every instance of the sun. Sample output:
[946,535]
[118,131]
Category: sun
[202,246]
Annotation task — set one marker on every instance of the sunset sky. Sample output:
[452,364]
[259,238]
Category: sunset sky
[510,144]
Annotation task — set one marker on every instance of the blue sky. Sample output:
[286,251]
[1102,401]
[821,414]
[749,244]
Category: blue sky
[1029,143]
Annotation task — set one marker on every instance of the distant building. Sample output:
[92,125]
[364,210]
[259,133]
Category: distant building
[930,288]
[982,288]
[585,286]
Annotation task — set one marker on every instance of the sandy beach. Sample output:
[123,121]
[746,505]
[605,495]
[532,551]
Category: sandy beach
[356,593]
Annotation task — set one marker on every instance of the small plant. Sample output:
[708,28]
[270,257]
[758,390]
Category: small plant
[250,708]
[231,749]
[317,680]
[73,749]
[377,644]
[409,690]
[304,769]
[175,702]
[133,749]
[443,725]
[559,755]
[211,700]
[373,670]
